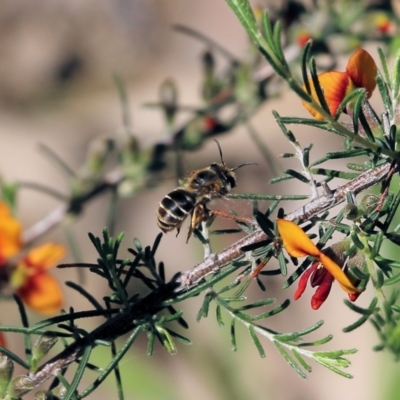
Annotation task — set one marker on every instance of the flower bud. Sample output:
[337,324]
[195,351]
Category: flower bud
[59,391]
[98,151]
[43,345]
[20,385]
[6,371]
[44,395]
[351,212]
[169,99]
[369,204]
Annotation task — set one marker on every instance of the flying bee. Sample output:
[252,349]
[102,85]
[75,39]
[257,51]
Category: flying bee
[199,188]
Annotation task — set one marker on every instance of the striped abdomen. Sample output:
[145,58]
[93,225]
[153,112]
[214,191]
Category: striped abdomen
[174,208]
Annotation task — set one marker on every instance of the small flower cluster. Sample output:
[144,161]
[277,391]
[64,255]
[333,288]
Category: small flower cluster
[328,265]
[27,275]
[360,72]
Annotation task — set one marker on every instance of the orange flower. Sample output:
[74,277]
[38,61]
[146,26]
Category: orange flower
[10,233]
[360,73]
[323,271]
[29,277]
[38,289]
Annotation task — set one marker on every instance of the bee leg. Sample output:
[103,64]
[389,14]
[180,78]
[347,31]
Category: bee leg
[198,216]
[177,231]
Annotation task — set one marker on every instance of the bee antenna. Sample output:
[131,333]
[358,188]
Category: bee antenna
[242,165]
[220,152]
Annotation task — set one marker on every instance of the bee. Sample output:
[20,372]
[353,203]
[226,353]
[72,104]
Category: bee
[199,188]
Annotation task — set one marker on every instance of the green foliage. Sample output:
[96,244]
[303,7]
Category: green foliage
[222,279]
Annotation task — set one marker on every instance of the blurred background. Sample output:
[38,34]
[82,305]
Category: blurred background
[56,88]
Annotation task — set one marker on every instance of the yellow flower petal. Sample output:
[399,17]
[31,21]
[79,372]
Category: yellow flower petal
[334,85]
[42,293]
[296,242]
[45,256]
[362,70]
[338,274]
[10,232]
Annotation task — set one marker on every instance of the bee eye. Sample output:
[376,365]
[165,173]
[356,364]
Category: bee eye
[231,181]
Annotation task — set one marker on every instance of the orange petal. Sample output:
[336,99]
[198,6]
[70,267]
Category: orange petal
[296,242]
[362,70]
[334,85]
[45,256]
[10,232]
[338,274]
[42,293]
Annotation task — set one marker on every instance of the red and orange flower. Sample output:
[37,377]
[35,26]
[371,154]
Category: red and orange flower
[28,276]
[324,269]
[360,72]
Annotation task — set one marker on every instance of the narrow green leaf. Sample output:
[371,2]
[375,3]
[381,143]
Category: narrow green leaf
[289,134]
[335,155]
[280,179]
[384,94]
[355,239]
[179,337]
[357,323]
[367,129]
[304,62]
[165,339]
[306,157]
[289,359]
[384,65]
[259,303]
[297,175]
[282,263]
[377,245]
[316,342]
[78,374]
[317,86]
[256,341]
[219,316]
[334,173]
[150,345]
[277,45]
[395,76]
[363,311]
[265,224]
[203,312]
[233,334]
[333,368]
[243,11]
[111,366]
[301,360]
[386,261]
[380,280]
[268,29]
[391,281]
[349,98]
[275,198]
[14,358]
